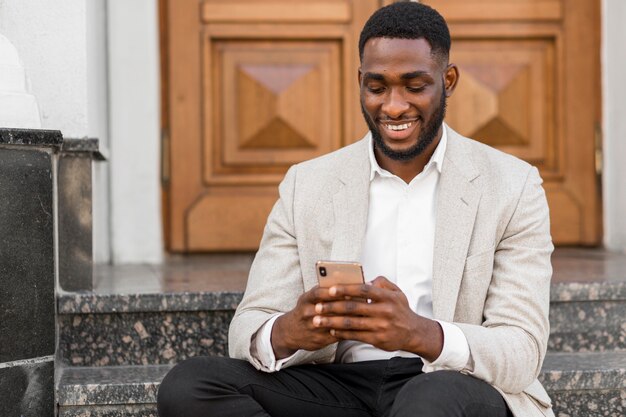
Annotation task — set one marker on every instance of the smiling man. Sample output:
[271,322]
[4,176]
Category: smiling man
[455,245]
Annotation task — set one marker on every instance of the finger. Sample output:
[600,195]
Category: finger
[317,294]
[318,340]
[352,307]
[358,335]
[308,311]
[344,322]
[362,291]
[382,282]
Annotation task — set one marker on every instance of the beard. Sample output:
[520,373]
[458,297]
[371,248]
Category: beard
[428,134]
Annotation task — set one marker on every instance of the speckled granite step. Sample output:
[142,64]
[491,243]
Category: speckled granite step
[588,317]
[580,384]
[140,329]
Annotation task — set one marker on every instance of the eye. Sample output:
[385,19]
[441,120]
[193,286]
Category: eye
[416,89]
[375,89]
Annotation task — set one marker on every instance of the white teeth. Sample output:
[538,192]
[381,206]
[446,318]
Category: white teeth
[399,127]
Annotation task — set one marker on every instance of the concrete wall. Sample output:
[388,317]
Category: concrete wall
[614,112]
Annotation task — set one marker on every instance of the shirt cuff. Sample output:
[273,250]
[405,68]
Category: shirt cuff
[455,353]
[263,351]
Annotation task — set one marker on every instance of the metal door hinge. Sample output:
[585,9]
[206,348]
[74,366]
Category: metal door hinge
[598,149]
[165,156]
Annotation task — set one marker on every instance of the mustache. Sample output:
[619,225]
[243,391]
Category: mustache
[401,119]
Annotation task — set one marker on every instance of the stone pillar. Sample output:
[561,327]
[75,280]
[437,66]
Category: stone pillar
[27,271]
[75,168]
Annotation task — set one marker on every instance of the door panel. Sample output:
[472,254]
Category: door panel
[255,86]
[530,86]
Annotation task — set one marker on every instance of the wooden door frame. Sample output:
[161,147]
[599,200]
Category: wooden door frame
[165,143]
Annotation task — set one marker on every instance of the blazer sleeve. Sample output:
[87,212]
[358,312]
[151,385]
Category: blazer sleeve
[274,283]
[508,349]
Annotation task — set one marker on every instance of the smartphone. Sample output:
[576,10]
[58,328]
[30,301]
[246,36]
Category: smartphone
[330,273]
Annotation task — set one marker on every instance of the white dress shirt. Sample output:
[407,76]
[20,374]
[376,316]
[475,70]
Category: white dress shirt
[398,244]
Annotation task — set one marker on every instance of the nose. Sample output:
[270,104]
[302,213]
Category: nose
[395,105]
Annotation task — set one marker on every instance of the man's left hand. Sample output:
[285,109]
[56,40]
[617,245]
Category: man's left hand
[385,321]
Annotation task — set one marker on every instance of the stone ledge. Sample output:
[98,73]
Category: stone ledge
[111,385]
[88,146]
[126,410]
[584,371]
[92,302]
[33,137]
[594,291]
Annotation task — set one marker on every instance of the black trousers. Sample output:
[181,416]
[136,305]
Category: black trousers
[212,387]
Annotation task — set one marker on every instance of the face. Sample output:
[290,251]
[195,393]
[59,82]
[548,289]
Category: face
[403,95]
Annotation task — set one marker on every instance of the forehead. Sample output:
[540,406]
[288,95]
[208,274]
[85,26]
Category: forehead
[402,55]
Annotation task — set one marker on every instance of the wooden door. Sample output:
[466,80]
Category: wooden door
[530,86]
[254,86]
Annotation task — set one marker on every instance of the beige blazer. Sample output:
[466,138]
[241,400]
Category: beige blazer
[491,272]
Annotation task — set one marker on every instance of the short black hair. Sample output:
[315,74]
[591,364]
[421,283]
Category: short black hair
[408,20]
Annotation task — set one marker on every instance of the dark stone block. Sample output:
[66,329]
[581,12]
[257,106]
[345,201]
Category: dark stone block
[27,271]
[27,390]
[75,222]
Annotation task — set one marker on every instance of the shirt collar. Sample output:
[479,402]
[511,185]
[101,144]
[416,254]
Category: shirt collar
[436,159]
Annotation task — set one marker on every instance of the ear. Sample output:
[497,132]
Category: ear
[360,76]
[450,78]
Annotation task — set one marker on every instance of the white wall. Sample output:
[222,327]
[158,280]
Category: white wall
[50,38]
[614,113]
[134,128]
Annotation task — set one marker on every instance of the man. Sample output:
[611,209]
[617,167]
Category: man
[453,237]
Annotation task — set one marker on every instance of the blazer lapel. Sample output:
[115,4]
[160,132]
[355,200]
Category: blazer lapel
[350,205]
[457,204]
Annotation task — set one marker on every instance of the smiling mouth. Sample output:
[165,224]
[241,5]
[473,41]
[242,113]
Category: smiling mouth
[398,127]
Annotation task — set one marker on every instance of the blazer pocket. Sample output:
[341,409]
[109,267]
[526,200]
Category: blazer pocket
[483,259]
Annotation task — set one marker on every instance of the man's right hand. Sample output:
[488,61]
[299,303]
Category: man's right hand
[295,330]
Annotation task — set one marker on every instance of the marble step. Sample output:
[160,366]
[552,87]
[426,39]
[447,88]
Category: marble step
[165,328]
[580,384]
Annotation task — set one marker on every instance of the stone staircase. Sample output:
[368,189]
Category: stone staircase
[117,342]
